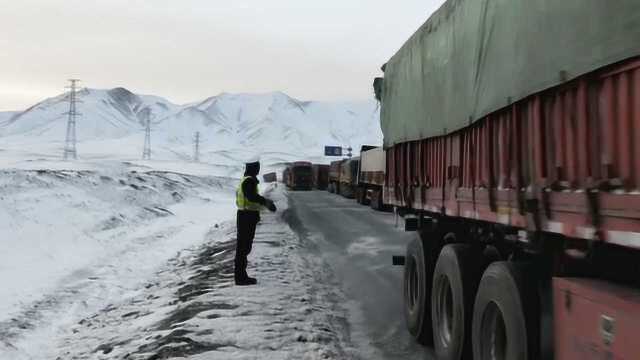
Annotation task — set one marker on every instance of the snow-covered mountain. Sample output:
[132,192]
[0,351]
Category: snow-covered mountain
[232,126]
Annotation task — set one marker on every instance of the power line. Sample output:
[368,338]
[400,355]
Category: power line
[70,150]
[146,153]
[196,148]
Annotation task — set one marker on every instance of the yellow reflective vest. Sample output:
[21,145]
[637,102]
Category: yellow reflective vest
[242,202]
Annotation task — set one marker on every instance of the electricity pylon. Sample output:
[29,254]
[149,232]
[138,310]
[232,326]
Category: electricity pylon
[70,141]
[146,153]
[196,148]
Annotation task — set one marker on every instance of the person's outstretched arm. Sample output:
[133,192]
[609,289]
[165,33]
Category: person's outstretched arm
[249,189]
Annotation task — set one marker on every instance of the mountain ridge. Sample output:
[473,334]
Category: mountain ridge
[243,123]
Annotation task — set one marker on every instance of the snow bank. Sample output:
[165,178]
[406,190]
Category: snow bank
[73,239]
[190,308]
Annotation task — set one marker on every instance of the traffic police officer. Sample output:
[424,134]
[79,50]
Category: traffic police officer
[249,204]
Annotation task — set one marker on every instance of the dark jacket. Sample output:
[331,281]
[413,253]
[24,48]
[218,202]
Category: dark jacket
[249,187]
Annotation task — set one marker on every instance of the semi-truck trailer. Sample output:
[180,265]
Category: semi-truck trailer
[512,138]
[334,176]
[371,177]
[349,177]
[299,176]
[320,176]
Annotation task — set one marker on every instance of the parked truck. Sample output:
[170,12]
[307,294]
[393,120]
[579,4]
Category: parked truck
[320,176]
[371,177]
[512,138]
[349,177]
[298,176]
[270,177]
[334,176]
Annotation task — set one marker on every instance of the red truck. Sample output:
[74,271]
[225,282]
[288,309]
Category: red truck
[298,176]
[512,138]
[334,176]
[320,176]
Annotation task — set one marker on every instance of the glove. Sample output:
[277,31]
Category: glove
[271,206]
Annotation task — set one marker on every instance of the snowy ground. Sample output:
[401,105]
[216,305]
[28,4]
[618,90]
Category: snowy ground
[111,257]
[131,262]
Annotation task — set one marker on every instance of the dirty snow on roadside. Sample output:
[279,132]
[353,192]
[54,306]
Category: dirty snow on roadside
[75,239]
[191,309]
[139,265]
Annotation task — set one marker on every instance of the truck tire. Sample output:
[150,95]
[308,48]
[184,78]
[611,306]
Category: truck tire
[366,200]
[455,284]
[375,200]
[506,314]
[359,195]
[418,273]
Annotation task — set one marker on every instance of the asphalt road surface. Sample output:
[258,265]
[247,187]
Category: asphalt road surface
[357,244]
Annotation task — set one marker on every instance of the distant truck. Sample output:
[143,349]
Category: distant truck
[349,177]
[512,138]
[371,177]
[298,176]
[320,176]
[334,176]
[270,177]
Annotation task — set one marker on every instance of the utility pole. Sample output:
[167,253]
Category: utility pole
[196,149]
[70,151]
[146,153]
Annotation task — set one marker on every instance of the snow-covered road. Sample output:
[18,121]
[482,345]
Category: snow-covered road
[357,244]
[152,274]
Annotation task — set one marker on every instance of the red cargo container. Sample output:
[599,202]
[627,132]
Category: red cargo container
[565,161]
[546,187]
[320,176]
[298,176]
[595,320]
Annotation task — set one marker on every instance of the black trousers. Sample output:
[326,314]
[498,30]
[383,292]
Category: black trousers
[246,223]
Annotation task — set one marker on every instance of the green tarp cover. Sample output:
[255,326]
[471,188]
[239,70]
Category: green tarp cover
[473,57]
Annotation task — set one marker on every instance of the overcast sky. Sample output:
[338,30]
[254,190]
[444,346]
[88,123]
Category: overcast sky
[186,50]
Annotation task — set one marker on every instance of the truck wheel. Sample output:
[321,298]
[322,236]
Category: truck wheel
[455,283]
[506,314]
[375,196]
[359,195]
[418,273]
[365,199]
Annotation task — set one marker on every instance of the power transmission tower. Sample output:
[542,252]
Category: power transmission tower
[146,153]
[70,151]
[196,149]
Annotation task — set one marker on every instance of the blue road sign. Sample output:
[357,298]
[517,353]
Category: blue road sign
[333,151]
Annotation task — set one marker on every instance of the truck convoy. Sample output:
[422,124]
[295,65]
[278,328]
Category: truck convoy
[512,138]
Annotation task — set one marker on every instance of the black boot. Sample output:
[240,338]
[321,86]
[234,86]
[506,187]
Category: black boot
[246,281]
